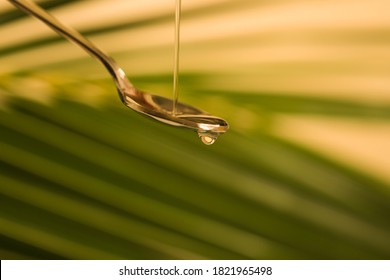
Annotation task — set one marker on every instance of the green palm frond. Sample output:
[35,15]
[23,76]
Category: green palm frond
[301,174]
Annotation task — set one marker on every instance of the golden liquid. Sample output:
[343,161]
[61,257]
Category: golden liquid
[176,58]
[207,137]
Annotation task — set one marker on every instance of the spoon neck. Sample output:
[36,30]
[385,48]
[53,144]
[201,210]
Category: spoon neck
[123,84]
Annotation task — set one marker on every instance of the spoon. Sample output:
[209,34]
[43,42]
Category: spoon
[207,126]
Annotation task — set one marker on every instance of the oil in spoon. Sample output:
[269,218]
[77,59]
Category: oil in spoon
[176,58]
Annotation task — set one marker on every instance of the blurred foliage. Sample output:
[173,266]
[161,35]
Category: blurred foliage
[83,177]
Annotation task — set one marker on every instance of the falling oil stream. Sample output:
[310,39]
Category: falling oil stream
[207,137]
[176,57]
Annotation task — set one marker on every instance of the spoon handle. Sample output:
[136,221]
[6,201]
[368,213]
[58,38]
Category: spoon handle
[75,37]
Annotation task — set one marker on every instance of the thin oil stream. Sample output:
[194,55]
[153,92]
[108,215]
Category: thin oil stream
[176,58]
[207,137]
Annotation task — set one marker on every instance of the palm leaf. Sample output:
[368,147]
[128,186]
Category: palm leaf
[301,174]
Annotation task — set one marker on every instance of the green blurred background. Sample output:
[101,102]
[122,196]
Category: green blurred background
[303,173]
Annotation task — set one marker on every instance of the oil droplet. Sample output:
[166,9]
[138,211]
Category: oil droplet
[208,138]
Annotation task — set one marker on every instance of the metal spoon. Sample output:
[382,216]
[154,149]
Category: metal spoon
[207,126]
